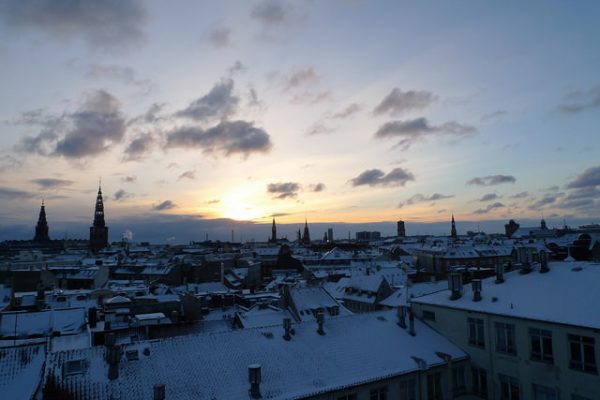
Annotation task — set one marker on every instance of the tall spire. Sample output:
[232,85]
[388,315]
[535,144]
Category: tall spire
[306,235]
[99,230]
[453,233]
[41,229]
[99,212]
[273,232]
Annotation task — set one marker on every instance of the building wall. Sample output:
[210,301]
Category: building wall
[453,324]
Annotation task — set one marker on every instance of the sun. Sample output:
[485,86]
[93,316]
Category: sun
[240,204]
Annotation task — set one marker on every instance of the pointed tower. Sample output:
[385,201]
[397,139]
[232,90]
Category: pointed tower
[306,235]
[273,238]
[99,230]
[453,233]
[41,229]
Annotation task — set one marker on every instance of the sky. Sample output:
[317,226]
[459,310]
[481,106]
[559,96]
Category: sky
[228,114]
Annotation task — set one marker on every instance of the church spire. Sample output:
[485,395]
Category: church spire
[41,229]
[453,233]
[99,230]
[306,235]
[273,238]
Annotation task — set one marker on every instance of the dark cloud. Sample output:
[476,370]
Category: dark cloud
[13,194]
[488,197]
[125,75]
[494,115]
[219,38]
[279,215]
[188,175]
[270,13]
[253,100]
[347,112]
[213,201]
[411,131]
[139,146]
[301,77]
[492,180]
[318,187]
[489,208]
[580,100]
[109,24]
[588,178]
[51,183]
[520,195]
[229,137]
[165,205]
[398,102]
[217,104]
[43,144]
[376,177]
[121,195]
[129,179]
[8,163]
[237,66]
[420,198]
[283,190]
[537,205]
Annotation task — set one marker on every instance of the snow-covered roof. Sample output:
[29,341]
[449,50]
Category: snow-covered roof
[65,321]
[564,295]
[260,316]
[20,371]
[355,349]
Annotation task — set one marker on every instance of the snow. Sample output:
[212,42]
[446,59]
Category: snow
[26,324]
[20,371]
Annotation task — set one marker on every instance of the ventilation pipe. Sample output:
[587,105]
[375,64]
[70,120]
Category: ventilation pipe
[113,355]
[320,321]
[476,286]
[525,259]
[411,323]
[287,327]
[402,317]
[499,273]
[159,392]
[455,285]
[254,376]
[544,262]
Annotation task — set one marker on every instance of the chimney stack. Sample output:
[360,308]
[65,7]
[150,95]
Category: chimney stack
[411,323]
[544,262]
[254,377]
[320,321]
[402,317]
[92,317]
[525,259]
[476,285]
[113,355]
[455,285]
[287,326]
[159,392]
[499,273]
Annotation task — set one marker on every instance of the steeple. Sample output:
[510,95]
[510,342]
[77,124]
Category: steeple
[273,238]
[41,229]
[306,235]
[453,233]
[99,230]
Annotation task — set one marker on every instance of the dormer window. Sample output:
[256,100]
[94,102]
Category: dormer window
[74,367]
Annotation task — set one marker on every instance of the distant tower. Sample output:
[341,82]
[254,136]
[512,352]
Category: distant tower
[511,228]
[41,229]
[273,238]
[401,229]
[99,230]
[330,235]
[543,224]
[453,233]
[306,235]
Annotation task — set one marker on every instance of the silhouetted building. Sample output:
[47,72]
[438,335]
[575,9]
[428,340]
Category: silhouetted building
[330,235]
[401,229]
[453,233]
[306,235]
[366,235]
[99,230]
[41,229]
[273,238]
[511,228]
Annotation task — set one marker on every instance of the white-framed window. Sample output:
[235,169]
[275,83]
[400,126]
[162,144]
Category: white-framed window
[582,356]
[505,338]
[458,380]
[476,332]
[541,345]
[479,380]
[74,367]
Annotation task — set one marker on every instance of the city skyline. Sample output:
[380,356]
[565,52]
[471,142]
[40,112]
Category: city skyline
[248,111]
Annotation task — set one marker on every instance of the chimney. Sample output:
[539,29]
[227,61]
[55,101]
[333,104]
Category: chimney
[455,285]
[254,379]
[544,262]
[476,286]
[320,320]
[525,259]
[411,323]
[499,273]
[287,326]
[402,317]
[113,355]
[92,317]
[159,392]
[109,340]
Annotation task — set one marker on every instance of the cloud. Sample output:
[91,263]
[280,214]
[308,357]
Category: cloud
[411,131]
[494,115]
[376,177]
[217,104]
[488,197]
[219,38]
[213,201]
[51,183]
[312,98]
[520,195]
[347,112]
[13,194]
[270,13]
[188,175]
[398,102]
[121,195]
[319,128]
[237,67]
[492,180]
[8,163]
[580,100]
[165,205]
[279,215]
[139,146]
[588,178]
[420,198]
[489,208]
[318,187]
[300,78]
[129,179]
[229,137]
[125,75]
[283,190]
[109,25]
[548,199]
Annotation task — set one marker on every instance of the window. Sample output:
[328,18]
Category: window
[434,386]
[505,338]
[407,390]
[544,393]
[581,351]
[458,380]
[479,379]
[430,315]
[74,367]
[378,394]
[352,396]
[476,333]
[541,345]
[509,388]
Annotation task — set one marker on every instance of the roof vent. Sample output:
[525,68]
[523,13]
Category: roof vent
[499,273]
[159,392]
[455,285]
[320,321]
[476,286]
[287,327]
[254,377]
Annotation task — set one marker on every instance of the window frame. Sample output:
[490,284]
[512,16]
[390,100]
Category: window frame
[476,332]
[506,338]
[582,344]
[543,339]
[511,384]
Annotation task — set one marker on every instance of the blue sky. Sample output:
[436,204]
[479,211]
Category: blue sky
[337,111]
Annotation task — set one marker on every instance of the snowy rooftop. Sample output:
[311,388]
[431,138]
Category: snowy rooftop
[563,295]
[20,371]
[355,349]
